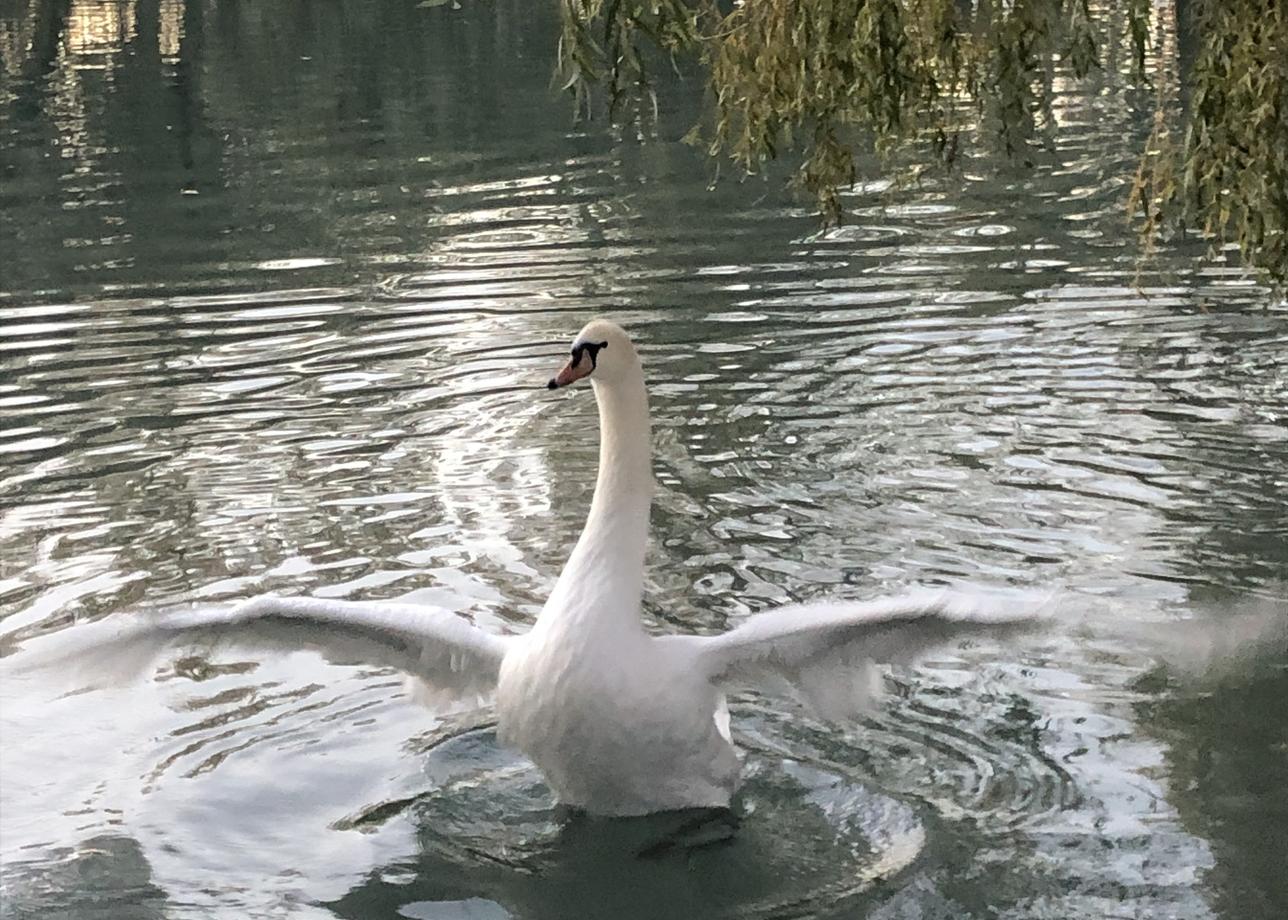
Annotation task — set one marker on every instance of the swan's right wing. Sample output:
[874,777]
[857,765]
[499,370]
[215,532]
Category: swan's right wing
[452,657]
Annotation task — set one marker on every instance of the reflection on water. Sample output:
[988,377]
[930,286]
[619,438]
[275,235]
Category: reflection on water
[280,286]
[1226,755]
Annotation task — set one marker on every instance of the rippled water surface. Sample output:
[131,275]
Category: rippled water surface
[279,286]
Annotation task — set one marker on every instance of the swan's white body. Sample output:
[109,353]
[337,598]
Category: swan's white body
[616,724]
[618,721]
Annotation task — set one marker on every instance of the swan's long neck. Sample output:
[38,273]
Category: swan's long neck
[624,487]
[604,576]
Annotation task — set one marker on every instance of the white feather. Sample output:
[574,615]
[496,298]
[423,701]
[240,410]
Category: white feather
[827,652]
[453,658]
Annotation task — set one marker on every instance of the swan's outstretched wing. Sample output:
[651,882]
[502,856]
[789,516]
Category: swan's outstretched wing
[826,652]
[453,658]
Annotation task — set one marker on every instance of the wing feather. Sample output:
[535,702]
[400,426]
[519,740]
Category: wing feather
[451,656]
[827,652]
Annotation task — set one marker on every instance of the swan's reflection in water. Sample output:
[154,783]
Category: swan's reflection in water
[492,843]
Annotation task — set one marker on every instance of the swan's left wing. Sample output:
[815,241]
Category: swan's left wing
[452,657]
[826,652]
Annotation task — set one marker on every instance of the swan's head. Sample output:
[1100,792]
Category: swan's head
[603,352]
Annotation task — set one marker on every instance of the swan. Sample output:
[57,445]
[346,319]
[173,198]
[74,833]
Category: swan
[619,721]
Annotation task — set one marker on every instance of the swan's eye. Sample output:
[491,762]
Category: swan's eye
[591,348]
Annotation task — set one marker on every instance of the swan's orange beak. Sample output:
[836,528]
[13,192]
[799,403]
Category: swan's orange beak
[580,366]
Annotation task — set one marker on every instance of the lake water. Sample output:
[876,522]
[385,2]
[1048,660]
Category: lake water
[279,289]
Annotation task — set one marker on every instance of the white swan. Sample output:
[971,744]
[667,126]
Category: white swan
[620,722]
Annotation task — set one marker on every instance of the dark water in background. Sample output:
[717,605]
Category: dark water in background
[278,283]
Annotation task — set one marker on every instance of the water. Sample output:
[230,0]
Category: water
[280,287]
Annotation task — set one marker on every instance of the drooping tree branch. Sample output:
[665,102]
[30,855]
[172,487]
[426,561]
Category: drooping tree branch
[826,79]
[1224,173]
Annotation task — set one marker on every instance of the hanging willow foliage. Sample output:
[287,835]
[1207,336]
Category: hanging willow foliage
[826,79]
[1226,172]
